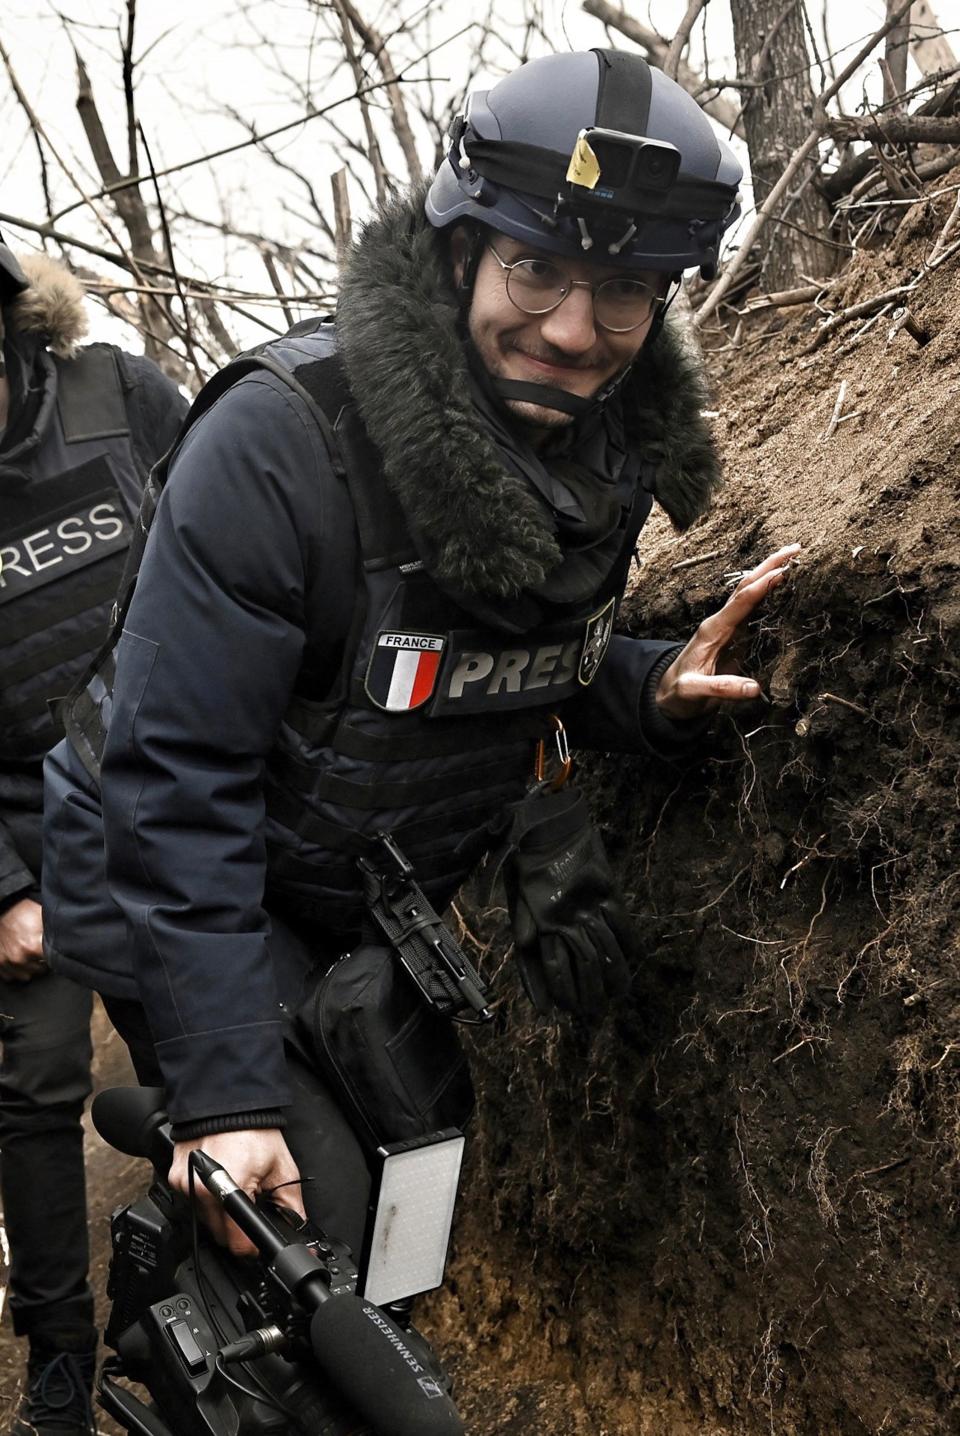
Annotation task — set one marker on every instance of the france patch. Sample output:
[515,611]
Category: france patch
[403,668]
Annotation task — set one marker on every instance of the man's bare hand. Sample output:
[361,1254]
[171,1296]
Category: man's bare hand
[21,942]
[699,678]
[258,1161]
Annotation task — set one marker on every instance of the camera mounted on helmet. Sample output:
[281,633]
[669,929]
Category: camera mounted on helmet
[613,181]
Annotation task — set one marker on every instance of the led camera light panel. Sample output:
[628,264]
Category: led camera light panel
[411,1227]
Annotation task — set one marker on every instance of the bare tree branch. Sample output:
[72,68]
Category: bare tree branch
[168,244]
[376,46]
[373,144]
[657,50]
[894,62]
[271,268]
[85,199]
[929,46]
[206,287]
[126,64]
[256,139]
[341,210]
[671,60]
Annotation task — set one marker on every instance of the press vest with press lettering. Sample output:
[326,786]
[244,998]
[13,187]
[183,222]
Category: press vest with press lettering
[66,518]
[430,726]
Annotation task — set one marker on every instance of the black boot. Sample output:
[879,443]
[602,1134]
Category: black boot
[58,1400]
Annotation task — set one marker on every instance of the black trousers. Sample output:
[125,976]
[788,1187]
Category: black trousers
[44,1082]
[335,1173]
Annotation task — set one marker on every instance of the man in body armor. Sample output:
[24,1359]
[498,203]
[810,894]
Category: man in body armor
[79,429]
[386,554]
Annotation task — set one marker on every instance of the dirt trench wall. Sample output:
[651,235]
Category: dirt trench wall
[734,1207]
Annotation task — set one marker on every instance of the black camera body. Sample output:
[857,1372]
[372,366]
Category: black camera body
[279,1343]
[161,1326]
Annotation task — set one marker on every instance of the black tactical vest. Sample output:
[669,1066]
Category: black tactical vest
[431,724]
[65,524]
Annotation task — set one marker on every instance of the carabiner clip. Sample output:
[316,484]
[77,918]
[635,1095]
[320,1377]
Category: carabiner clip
[563,757]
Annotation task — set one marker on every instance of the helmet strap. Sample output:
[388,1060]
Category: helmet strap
[476,241]
[545,395]
[660,317]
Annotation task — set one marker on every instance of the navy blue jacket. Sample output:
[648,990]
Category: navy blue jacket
[247,579]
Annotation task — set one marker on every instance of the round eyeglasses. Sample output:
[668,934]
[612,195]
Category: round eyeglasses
[537,286]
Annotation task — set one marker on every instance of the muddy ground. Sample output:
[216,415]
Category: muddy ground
[734,1207]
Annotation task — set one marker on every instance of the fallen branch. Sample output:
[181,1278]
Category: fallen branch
[845,703]
[897,129]
[903,320]
[784,298]
[945,233]
[697,559]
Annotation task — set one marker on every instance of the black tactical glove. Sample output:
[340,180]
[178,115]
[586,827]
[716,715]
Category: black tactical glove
[573,938]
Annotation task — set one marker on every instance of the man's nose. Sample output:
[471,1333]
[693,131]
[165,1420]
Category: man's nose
[571,326]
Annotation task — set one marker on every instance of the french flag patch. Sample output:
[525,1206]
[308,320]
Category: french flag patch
[403,670]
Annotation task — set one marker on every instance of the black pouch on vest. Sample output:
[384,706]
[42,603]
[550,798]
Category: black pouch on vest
[397,1063]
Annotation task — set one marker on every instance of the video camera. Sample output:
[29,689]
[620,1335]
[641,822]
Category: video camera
[282,1344]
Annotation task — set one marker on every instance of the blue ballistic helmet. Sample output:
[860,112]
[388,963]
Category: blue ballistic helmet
[13,281]
[592,154]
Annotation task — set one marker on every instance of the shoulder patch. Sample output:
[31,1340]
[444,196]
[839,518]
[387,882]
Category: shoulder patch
[403,668]
[596,641]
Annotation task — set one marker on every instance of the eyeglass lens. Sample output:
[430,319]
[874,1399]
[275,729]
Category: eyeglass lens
[536,286]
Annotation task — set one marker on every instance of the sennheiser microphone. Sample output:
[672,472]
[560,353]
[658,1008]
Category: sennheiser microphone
[373,1364]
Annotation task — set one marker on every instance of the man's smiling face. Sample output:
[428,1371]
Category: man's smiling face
[565,348]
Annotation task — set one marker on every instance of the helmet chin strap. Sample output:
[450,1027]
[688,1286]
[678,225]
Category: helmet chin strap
[544,395]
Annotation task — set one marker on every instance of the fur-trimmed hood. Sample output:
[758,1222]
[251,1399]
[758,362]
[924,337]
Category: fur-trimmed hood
[484,527]
[52,308]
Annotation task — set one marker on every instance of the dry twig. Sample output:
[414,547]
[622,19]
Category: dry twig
[837,411]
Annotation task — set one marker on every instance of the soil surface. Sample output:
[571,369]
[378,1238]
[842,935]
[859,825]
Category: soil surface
[732,1207]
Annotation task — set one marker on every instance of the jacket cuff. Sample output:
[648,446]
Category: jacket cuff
[16,891]
[232,1122]
[668,736]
